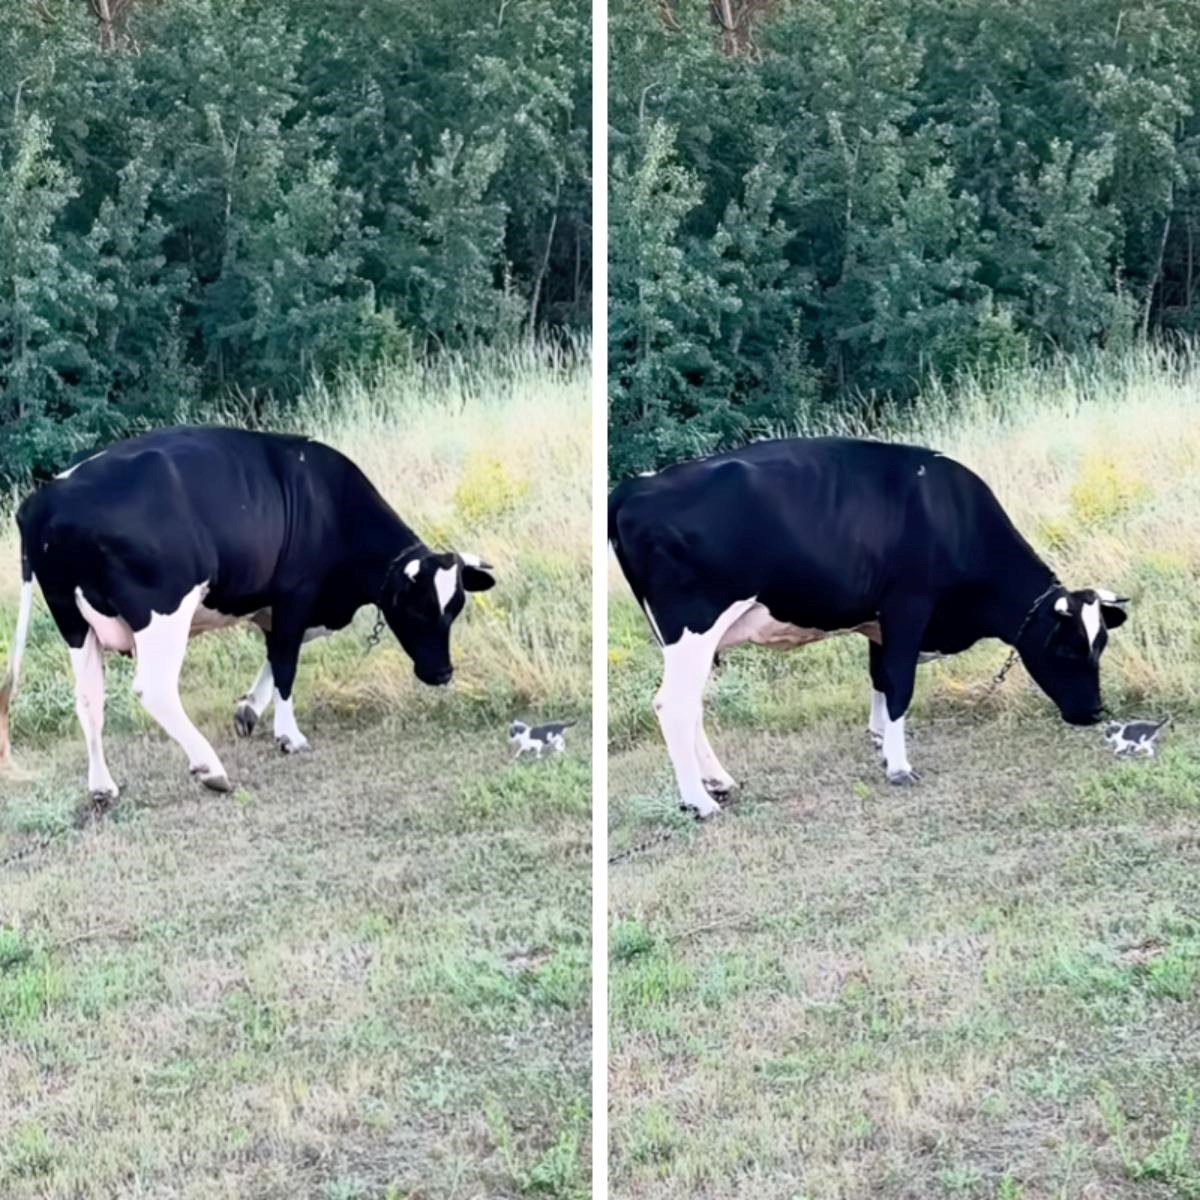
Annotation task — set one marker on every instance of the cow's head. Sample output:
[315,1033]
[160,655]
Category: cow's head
[1061,647]
[423,594]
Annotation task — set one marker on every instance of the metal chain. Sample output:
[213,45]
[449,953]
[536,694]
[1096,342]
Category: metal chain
[376,633]
[998,678]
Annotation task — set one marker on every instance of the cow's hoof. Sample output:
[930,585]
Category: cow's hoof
[289,745]
[102,799]
[244,719]
[215,781]
[719,788]
[701,814]
[903,778]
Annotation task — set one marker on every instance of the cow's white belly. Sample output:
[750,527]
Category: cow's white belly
[111,632]
[758,626]
[115,633]
[208,619]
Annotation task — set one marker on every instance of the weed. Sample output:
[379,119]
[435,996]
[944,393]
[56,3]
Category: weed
[627,939]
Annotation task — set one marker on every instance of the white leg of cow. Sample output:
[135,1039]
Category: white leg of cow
[287,733]
[895,753]
[159,649]
[88,665]
[717,781]
[877,723]
[254,703]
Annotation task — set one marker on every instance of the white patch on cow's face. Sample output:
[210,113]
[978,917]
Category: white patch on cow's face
[1063,605]
[1091,621]
[445,583]
[112,633]
[413,569]
[71,470]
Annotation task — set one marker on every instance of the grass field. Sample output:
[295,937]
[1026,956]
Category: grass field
[365,975]
[987,986]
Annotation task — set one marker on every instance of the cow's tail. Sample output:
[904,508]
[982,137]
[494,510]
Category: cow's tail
[615,500]
[20,637]
[636,583]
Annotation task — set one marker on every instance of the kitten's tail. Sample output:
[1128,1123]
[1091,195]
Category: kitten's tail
[1167,720]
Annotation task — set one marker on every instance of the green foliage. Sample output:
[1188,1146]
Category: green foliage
[226,195]
[814,212]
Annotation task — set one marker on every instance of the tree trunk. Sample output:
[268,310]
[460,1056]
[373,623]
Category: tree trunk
[541,275]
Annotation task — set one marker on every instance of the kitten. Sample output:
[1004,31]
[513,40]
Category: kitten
[538,738]
[1133,737]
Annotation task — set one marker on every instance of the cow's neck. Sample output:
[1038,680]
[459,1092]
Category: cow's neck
[378,540]
[1012,605]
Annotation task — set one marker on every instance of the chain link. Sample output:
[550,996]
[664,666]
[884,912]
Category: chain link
[998,678]
[375,634]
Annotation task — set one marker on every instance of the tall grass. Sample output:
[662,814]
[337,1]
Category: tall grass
[488,454]
[1097,461]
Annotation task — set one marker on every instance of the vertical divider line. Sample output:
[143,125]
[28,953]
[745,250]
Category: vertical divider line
[599,599]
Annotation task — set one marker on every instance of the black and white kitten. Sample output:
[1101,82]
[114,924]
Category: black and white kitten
[538,738]
[1133,737]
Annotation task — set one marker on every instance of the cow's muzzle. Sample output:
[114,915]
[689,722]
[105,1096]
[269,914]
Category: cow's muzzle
[436,678]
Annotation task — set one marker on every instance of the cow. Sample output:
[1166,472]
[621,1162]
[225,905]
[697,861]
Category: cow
[790,541]
[184,530]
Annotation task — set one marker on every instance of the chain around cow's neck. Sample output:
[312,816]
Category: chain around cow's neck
[377,630]
[998,678]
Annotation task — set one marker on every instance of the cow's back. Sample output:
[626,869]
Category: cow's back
[223,505]
[817,528]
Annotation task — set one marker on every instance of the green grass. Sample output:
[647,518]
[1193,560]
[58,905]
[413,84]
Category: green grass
[845,990]
[365,973]
[349,982]
[987,986]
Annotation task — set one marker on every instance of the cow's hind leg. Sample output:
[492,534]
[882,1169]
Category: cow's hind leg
[88,665]
[253,704]
[679,705]
[717,781]
[159,649]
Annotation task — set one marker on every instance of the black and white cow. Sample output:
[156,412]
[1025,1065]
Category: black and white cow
[180,531]
[787,542]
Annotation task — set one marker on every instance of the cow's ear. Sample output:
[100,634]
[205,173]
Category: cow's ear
[1111,608]
[476,574]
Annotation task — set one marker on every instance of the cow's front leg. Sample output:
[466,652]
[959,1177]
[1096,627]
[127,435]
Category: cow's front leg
[877,721]
[283,654]
[88,665]
[159,650]
[253,704]
[902,626]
